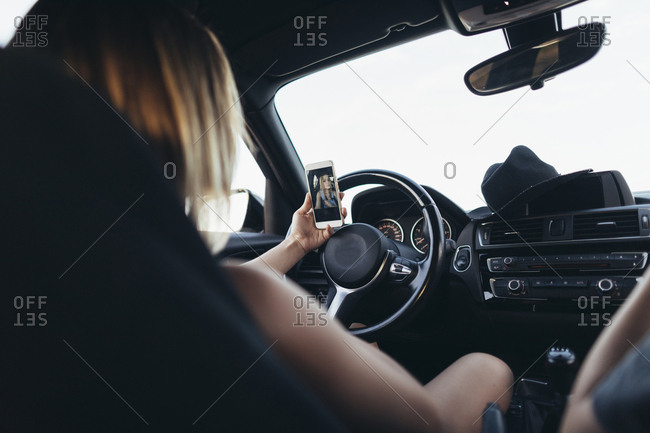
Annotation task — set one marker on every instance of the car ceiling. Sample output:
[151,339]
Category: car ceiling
[260,36]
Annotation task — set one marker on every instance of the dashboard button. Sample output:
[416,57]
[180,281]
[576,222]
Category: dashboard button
[463,258]
[605,285]
[556,227]
[495,264]
[515,286]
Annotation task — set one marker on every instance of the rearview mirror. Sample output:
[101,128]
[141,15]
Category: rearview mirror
[533,64]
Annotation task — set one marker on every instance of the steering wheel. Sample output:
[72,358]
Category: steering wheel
[358,257]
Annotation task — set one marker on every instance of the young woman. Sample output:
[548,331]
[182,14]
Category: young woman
[169,77]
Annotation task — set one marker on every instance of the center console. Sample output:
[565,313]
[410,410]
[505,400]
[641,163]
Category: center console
[557,258]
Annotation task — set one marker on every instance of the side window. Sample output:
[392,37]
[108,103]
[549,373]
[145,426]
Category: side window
[248,186]
[247,177]
[248,174]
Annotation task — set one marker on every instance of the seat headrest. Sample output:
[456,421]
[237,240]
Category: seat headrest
[121,318]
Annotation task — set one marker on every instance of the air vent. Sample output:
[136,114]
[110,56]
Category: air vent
[513,232]
[311,277]
[606,225]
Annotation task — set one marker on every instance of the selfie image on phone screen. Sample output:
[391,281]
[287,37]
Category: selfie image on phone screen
[324,195]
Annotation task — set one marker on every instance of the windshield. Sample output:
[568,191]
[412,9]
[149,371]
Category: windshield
[407,109]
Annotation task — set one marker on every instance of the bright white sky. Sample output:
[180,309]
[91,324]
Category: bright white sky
[594,116]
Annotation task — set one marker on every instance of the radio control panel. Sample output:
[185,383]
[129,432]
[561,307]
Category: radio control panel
[611,261]
[561,288]
[565,276]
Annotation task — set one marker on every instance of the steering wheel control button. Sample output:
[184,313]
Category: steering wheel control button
[463,258]
[400,272]
[399,269]
[606,285]
[402,269]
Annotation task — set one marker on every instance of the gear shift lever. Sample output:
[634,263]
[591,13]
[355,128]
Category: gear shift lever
[560,365]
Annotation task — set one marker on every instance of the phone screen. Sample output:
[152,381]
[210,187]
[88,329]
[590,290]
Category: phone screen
[324,197]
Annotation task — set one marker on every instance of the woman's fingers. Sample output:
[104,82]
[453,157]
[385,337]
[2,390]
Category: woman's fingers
[344,211]
[327,233]
[306,205]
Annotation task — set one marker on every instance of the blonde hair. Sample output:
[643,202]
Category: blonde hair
[171,78]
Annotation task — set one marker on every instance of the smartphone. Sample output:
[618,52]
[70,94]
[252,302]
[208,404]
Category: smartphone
[324,191]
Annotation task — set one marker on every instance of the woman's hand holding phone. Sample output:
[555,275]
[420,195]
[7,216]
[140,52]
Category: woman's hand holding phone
[307,231]
[304,230]
[304,237]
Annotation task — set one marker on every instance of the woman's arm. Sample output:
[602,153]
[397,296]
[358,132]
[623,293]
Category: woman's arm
[629,325]
[319,202]
[365,387]
[304,237]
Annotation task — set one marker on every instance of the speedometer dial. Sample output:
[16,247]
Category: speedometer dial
[391,229]
[420,239]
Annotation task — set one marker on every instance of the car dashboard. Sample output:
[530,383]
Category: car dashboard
[523,277]
[562,261]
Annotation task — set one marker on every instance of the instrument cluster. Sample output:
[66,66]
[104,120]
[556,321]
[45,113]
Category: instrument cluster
[414,233]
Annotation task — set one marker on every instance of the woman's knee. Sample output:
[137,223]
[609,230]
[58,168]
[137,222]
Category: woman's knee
[488,366]
[493,378]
